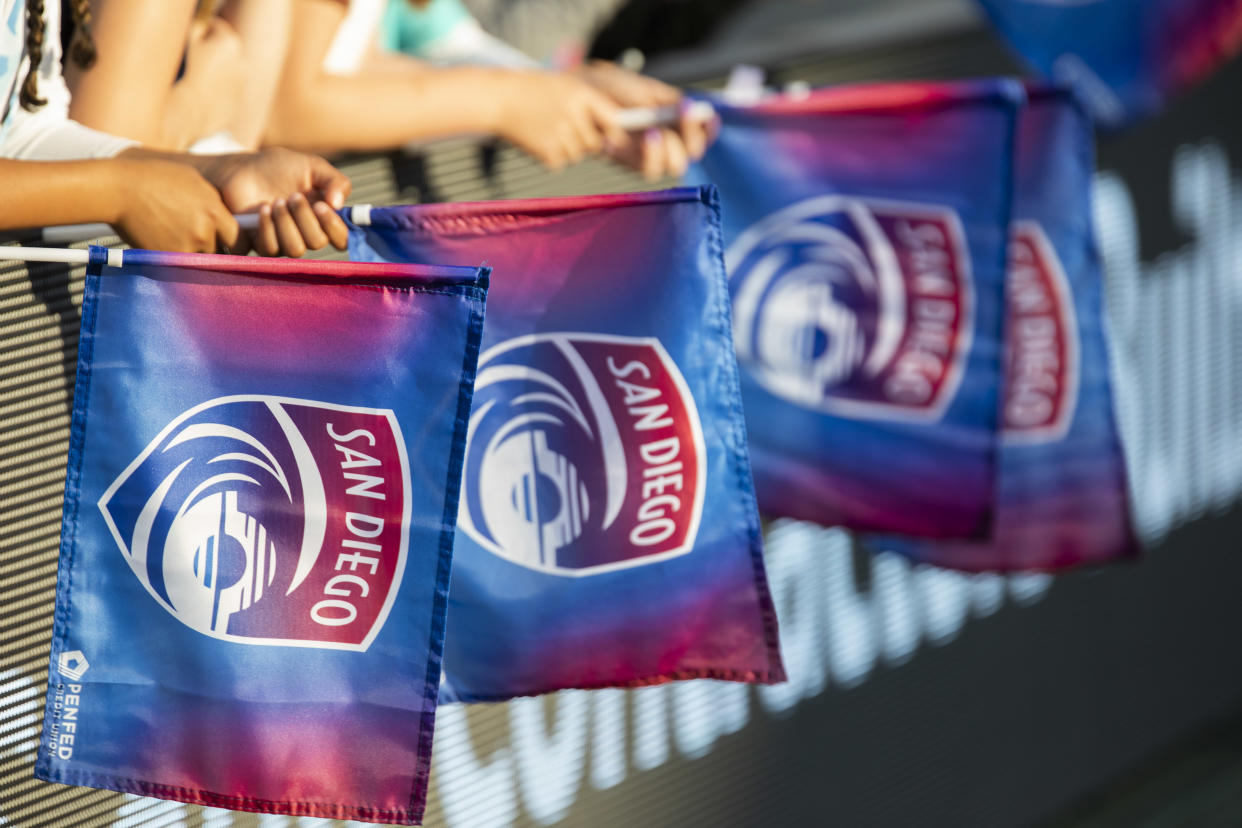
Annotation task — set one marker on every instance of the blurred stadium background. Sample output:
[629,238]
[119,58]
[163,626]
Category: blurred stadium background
[918,697]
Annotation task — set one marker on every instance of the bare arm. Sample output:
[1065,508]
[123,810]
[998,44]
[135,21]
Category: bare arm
[263,28]
[41,193]
[554,117]
[155,204]
[295,195]
[371,110]
[133,89]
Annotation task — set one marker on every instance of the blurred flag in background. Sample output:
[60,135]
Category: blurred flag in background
[1124,57]
[263,478]
[1061,492]
[865,231]
[608,534]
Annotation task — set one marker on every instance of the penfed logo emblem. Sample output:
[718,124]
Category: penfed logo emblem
[1041,340]
[585,454]
[65,706]
[267,520]
[856,307]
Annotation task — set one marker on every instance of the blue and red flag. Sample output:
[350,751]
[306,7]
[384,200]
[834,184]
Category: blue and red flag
[1061,492]
[1124,57]
[263,477]
[608,534]
[865,233]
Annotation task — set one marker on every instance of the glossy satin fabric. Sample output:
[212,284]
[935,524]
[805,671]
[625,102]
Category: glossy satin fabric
[608,535]
[865,233]
[1061,492]
[1125,58]
[370,370]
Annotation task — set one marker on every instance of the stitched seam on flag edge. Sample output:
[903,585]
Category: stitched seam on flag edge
[296,270]
[1009,188]
[967,92]
[198,796]
[653,680]
[471,291]
[448,533]
[1086,148]
[739,452]
[548,206]
[73,498]
[462,218]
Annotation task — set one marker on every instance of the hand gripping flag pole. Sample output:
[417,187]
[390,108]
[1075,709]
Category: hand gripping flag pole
[633,119]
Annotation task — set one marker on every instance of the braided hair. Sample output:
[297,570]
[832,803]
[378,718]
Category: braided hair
[35,31]
[81,46]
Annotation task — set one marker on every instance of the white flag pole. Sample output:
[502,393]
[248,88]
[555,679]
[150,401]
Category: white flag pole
[645,117]
[74,233]
[46,254]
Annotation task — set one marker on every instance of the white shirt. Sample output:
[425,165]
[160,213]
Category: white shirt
[46,134]
[464,43]
[352,42]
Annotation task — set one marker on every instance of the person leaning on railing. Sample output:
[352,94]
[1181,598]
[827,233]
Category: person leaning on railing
[57,171]
[297,90]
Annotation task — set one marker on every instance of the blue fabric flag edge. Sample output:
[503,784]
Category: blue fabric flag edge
[476,292]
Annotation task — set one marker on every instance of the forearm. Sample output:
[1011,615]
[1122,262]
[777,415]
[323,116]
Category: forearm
[205,165]
[264,31]
[106,111]
[385,109]
[130,86]
[169,120]
[43,193]
[185,119]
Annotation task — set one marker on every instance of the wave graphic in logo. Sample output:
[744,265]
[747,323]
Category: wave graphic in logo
[266,520]
[1041,340]
[858,307]
[585,454]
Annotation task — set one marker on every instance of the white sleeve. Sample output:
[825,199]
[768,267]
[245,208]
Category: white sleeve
[352,42]
[39,136]
[47,134]
[468,43]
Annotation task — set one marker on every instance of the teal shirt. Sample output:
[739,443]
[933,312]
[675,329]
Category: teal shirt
[408,29]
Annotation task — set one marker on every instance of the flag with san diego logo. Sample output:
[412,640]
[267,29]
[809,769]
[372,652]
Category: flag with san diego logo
[1061,490]
[262,487]
[608,534]
[865,232]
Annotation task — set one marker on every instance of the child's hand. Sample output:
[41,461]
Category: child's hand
[656,153]
[296,196]
[557,118]
[164,205]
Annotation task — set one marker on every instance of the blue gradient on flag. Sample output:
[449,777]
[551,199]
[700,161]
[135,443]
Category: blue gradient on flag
[1062,495]
[865,229]
[1124,57]
[233,397]
[608,534]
